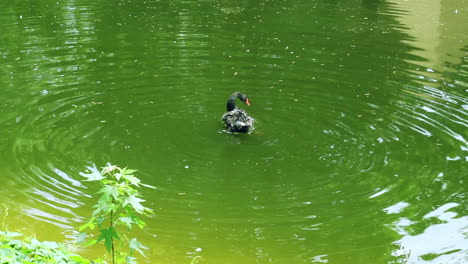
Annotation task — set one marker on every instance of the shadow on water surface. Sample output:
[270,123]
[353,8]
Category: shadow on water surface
[358,154]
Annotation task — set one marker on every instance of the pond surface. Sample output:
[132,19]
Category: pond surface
[360,149]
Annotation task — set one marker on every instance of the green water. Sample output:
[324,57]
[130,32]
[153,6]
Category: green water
[359,153]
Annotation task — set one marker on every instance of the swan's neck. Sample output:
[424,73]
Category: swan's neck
[231,103]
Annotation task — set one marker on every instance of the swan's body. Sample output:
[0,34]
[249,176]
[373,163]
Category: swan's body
[236,119]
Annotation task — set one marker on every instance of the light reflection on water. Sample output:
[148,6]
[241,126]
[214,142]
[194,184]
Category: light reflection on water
[438,242]
[356,142]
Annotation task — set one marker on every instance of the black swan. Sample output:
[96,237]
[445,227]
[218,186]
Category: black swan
[236,119]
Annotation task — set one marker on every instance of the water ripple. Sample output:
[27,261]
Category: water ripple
[348,122]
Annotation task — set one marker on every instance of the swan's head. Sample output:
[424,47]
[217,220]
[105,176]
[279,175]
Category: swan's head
[244,98]
[231,103]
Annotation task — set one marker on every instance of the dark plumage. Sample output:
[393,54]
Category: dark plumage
[236,119]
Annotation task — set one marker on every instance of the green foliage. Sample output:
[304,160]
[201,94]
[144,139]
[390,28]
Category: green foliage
[118,209]
[16,249]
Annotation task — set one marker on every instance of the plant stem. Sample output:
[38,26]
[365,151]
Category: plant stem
[112,238]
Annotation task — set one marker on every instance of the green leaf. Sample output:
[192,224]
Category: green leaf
[127,221]
[99,261]
[34,242]
[81,237]
[109,168]
[133,180]
[135,245]
[149,211]
[149,186]
[94,174]
[127,171]
[101,207]
[50,244]
[139,222]
[130,260]
[109,191]
[90,224]
[79,259]
[90,242]
[127,174]
[108,236]
[135,202]
[100,220]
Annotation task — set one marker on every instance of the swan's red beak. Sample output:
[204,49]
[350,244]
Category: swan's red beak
[247,101]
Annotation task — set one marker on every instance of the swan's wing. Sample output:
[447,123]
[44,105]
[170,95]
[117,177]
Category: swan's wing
[238,120]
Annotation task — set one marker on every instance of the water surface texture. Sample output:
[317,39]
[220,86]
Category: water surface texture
[360,149]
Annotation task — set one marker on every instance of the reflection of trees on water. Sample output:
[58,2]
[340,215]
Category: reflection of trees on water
[435,204]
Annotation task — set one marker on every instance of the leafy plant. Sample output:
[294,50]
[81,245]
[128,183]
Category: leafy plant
[117,209]
[16,249]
